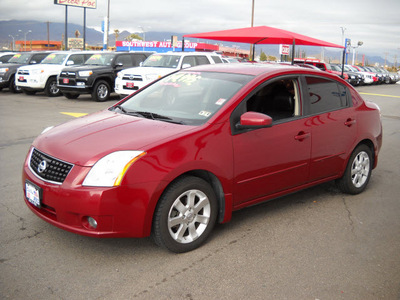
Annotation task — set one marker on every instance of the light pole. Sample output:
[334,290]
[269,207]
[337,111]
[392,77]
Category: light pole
[252,23]
[354,49]
[25,37]
[343,30]
[13,42]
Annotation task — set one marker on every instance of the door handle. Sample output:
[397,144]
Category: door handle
[349,122]
[302,136]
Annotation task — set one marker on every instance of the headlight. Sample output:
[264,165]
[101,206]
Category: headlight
[37,71]
[85,73]
[3,70]
[109,170]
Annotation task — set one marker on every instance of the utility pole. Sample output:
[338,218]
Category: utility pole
[252,23]
[48,34]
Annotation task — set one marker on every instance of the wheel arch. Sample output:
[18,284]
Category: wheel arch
[215,184]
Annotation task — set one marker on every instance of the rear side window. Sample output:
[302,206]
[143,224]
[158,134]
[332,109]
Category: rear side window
[125,60]
[38,57]
[78,59]
[325,95]
[138,58]
[217,59]
[202,60]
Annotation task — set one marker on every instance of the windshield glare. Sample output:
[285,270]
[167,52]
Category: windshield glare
[104,59]
[20,58]
[54,59]
[162,61]
[186,97]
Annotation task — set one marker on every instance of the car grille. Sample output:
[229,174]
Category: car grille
[68,74]
[23,72]
[132,77]
[49,168]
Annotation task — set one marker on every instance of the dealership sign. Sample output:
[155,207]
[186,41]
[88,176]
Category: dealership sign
[154,44]
[284,49]
[79,3]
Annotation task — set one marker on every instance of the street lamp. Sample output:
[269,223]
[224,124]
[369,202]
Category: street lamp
[25,37]
[13,42]
[354,49]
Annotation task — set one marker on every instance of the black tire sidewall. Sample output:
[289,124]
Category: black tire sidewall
[345,183]
[47,90]
[95,94]
[161,233]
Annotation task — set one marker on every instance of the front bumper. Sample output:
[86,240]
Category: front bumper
[31,81]
[119,211]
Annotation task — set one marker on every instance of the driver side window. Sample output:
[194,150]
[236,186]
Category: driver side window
[279,100]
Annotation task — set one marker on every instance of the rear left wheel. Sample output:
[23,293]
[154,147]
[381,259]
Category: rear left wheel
[185,215]
[358,171]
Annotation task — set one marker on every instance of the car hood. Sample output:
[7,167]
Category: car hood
[148,70]
[47,67]
[85,140]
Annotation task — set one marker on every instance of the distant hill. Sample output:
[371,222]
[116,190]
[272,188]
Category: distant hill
[18,29]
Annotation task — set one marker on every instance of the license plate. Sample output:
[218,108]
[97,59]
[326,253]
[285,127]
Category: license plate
[21,78]
[66,80]
[130,85]
[33,193]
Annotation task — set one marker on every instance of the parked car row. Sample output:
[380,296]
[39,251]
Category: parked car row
[72,73]
[355,75]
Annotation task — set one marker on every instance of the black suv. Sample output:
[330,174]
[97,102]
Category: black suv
[8,70]
[97,75]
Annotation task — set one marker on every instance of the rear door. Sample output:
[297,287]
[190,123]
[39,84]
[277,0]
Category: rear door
[334,125]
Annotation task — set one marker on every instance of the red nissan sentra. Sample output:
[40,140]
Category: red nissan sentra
[185,152]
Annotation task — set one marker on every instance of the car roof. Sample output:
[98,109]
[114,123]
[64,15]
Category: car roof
[256,69]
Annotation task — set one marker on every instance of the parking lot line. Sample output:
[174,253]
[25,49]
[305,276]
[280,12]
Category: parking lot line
[381,95]
[76,115]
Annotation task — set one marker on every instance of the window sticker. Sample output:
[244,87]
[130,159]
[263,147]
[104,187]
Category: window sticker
[204,113]
[220,101]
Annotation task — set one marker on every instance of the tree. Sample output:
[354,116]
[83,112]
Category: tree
[133,36]
[263,56]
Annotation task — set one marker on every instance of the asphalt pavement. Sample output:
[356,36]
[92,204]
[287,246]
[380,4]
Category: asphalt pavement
[314,244]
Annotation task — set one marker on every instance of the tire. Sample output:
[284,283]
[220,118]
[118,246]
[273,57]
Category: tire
[101,91]
[71,96]
[185,215]
[27,92]
[358,171]
[51,89]
[13,87]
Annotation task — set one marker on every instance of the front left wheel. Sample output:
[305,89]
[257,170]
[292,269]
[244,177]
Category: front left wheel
[185,215]
[51,89]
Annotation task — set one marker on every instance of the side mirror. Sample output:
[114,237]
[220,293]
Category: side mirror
[70,63]
[254,120]
[184,66]
[33,62]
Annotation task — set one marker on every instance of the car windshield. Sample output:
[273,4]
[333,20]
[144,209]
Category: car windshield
[185,97]
[103,59]
[162,61]
[336,68]
[20,58]
[54,59]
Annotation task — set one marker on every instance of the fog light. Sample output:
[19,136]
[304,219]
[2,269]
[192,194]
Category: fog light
[92,222]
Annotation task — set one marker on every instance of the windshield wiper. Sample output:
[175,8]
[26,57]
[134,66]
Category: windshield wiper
[153,116]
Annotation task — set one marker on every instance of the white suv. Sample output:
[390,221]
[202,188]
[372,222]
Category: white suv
[159,65]
[43,76]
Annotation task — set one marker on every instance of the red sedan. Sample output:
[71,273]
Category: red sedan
[185,152]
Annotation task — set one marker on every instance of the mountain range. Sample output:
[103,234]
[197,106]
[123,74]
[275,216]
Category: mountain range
[35,30]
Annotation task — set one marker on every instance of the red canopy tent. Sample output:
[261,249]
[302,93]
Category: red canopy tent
[262,35]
